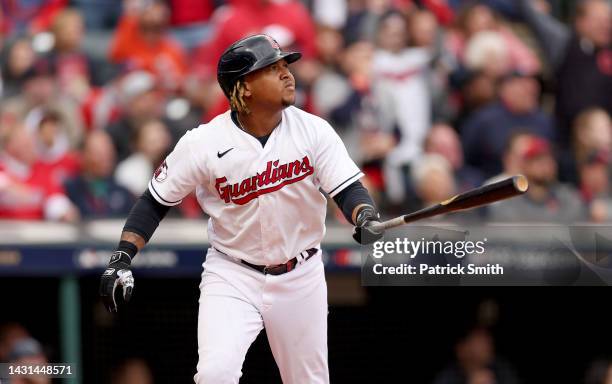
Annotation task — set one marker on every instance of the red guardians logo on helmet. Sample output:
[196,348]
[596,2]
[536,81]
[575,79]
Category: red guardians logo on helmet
[275,177]
[161,173]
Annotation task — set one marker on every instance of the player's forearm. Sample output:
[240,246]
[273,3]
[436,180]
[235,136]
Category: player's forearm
[133,238]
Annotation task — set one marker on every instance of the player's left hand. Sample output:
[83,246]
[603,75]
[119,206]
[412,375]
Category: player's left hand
[364,233]
[117,274]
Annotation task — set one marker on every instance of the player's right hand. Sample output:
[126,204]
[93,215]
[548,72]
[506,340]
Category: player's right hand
[117,274]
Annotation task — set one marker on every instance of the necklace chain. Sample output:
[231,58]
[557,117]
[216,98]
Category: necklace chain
[240,122]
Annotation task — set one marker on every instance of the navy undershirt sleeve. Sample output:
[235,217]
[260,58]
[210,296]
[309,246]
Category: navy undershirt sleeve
[350,197]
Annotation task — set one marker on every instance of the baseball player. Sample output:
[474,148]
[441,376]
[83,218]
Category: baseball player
[259,171]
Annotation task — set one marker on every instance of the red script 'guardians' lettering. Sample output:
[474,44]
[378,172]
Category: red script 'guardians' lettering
[275,175]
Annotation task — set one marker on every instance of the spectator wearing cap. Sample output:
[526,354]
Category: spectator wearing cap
[94,191]
[27,190]
[141,100]
[595,185]
[142,41]
[546,200]
[485,133]
[581,58]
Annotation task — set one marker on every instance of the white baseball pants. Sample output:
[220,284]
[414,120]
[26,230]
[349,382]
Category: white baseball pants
[237,302]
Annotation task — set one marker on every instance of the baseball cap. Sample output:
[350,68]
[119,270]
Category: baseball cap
[135,84]
[536,146]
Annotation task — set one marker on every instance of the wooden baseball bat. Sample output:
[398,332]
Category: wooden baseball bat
[505,189]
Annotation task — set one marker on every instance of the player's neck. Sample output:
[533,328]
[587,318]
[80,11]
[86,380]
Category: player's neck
[259,123]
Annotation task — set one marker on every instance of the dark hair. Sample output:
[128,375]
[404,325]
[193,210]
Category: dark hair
[52,116]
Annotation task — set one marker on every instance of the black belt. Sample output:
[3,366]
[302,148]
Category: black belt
[282,268]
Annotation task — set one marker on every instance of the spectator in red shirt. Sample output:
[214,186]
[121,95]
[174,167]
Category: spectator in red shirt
[190,21]
[142,42]
[53,146]
[27,190]
[288,22]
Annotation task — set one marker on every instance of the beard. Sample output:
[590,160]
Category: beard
[288,101]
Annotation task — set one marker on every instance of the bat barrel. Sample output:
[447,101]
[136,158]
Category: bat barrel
[477,197]
[487,194]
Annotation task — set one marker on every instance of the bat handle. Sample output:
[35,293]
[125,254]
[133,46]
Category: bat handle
[379,227]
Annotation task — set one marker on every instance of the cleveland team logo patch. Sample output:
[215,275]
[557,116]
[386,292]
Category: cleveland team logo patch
[275,177]
[273,42]
[161,173]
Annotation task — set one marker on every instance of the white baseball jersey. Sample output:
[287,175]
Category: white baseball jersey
[264,203]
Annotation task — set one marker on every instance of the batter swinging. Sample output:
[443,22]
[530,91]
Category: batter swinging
[258,171]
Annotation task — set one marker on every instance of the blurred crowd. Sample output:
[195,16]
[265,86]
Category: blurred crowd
[431,97]
[18,347]
[474,359]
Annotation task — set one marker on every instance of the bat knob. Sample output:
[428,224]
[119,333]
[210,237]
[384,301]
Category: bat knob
[520,183]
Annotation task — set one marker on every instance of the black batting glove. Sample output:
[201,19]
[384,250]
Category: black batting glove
[117,274]
[364,233]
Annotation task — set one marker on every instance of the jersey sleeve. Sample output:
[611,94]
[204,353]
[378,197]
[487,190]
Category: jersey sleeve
[334,168]
[177,176]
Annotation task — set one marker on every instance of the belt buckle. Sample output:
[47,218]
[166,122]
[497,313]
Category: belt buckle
[266,270]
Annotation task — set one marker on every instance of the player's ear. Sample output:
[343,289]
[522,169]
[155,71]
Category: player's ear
[247,89]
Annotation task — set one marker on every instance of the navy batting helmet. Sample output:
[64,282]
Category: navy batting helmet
[248,55]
